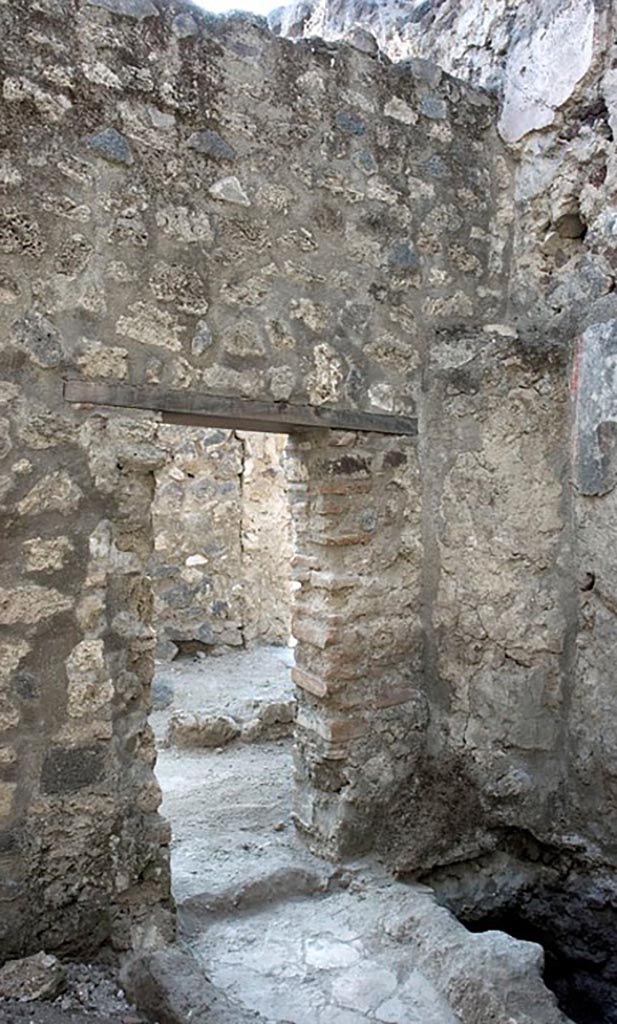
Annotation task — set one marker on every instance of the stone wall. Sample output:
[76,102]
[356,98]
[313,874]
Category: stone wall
[222,543]
[193,203]
[520,582]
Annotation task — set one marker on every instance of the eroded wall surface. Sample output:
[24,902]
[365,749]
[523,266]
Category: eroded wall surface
[221,566]
[520,564]
[192,203]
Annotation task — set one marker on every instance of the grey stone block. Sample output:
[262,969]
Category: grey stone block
[66,770]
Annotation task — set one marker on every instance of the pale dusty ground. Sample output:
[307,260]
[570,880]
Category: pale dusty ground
[230,815]
[286,934]
[235,684]
[230,809]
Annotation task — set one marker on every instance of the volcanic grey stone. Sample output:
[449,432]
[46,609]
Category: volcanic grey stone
[365,161]
[66,770]
[111,145]
[350,123]
[434,107]
[403,256]
[42,340]
[211,144]
[202,339]
[425,70]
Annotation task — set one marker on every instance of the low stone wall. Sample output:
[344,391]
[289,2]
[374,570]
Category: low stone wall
[222,542]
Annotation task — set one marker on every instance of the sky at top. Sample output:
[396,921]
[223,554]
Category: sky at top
[223,6]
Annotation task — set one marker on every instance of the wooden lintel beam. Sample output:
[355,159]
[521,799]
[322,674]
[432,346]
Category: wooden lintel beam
[198,410]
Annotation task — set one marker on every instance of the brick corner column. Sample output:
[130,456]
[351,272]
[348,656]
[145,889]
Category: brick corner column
[355,502]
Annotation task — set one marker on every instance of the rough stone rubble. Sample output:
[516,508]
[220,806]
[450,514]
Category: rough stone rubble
[194,204]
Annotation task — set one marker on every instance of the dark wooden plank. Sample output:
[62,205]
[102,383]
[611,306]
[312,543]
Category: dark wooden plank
[183,419]
[193,409]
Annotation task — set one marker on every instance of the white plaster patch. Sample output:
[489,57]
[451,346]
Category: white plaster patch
[543,69]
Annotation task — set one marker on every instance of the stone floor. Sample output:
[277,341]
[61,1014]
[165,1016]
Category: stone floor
[292,938]
[326,959]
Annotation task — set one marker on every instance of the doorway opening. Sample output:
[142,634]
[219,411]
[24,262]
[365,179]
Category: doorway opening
[223,699]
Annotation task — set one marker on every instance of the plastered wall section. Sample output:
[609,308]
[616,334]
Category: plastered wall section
[559,117]
[189,203]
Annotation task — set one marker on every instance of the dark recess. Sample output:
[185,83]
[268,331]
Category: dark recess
[578,932]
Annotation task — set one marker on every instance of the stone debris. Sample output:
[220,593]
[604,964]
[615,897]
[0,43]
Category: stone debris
[194,730]
[94,988]
[41,976]
[251,690]
[93,995]
[274,721]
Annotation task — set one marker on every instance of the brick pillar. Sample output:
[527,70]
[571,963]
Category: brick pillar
[355,502]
